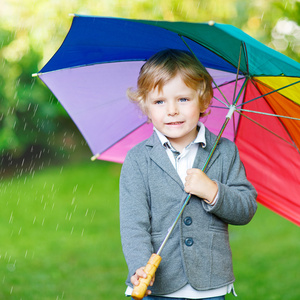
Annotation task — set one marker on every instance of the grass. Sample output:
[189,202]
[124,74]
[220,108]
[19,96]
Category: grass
[60,234]
[60,240]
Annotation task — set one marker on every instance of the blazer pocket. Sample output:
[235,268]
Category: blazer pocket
[217,224]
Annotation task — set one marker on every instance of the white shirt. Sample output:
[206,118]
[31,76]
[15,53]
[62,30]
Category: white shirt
[182,162]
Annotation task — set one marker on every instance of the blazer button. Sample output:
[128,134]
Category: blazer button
[189,242]
[188,221]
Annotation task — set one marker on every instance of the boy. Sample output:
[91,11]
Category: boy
[174,91]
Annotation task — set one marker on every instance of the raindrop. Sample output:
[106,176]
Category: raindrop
[90,190]
[57,227]
[11,290]
[75,188]
[72,230]
[93,215]
[20,231]
[26,252]
[11,219]
[34,219]
[82,232]
[86,212]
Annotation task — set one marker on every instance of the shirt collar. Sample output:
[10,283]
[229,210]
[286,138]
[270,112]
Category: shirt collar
[200,138]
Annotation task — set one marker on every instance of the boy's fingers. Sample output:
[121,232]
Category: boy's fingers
[134,279]
[141,273]
[193,170]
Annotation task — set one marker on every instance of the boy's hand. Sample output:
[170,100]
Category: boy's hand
[199,184]
[138,274]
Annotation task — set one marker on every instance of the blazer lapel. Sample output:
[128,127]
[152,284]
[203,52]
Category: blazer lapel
[159,155]
[203,153]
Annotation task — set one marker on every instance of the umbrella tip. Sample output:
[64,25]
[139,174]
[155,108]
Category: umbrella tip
[93,158]
[211,23]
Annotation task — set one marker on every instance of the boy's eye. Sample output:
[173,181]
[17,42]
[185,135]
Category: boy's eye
[183,100]
[158,102]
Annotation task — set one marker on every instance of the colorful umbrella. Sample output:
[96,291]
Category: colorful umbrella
[101,57]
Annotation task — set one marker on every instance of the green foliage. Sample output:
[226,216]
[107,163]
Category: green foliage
[31,31]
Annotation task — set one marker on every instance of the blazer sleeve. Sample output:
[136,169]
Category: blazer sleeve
[135,214]
[236,202]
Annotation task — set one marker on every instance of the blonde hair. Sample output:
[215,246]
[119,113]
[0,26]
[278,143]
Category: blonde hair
[165,65]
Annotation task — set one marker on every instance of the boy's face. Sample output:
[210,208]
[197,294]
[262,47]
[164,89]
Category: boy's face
[175,112]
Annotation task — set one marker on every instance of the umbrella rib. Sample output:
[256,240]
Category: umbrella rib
[222,107]
[117,141]
[246,57]
[237,75]
[240,91]
[230,81]
[272,132]
[226,105]
[204,68]
[274,91]
[268,114]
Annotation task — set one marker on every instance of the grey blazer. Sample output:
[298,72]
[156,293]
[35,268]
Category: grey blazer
[151,195]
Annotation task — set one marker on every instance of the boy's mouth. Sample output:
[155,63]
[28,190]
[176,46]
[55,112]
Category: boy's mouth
[175,123]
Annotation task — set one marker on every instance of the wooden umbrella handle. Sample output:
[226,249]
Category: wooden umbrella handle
[140,290]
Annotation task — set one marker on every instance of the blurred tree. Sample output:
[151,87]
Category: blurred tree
[286,32]
[32,30]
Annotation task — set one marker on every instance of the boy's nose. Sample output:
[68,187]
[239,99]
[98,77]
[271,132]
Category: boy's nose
[172,109]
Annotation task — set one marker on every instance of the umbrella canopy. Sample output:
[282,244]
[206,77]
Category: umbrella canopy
[101,57]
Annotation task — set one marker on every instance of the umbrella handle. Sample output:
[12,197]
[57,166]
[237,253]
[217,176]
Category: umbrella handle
[140,290]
